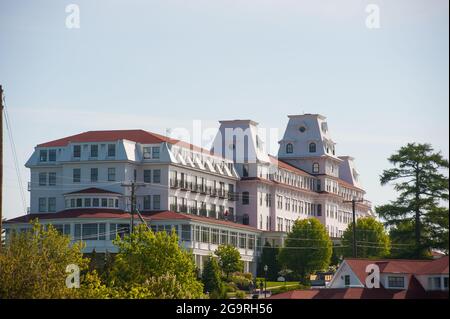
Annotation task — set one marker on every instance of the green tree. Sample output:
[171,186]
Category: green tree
[371,239]
[269,257]
[145,257]
[418,177]
[229,259]
[308,248]
[212,278]
[33,264]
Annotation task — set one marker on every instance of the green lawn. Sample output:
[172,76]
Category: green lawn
[271,284]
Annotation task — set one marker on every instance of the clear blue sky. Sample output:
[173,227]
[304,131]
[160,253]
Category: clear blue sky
[162,63]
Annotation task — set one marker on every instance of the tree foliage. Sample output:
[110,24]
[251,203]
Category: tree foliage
[418,177]
[371,239]
[269,257]
[33,264]
[152,265]
[229,259]
[212,278]
[308,248]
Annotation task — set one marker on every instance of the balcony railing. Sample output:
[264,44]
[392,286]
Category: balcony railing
[193,210]
[233,196]
[203,212]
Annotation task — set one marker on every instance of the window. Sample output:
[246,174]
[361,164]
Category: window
[104,202]
[289,148]
[147,176]
[95,202]
[155,152]
[245,219]
[77,151]
[315,168]
[52,204]
[312,147]
[186,232]
[43,156]
[87,202]
[245,170]
[42,204]
[52,178]
[302,129]
[347,280]
[52,155]
[242,240]
[76,175]
[146,151]
[446,283]
[147,202]
[111,150]
[245,198]
[79,202]
[157,176]
[89,231]
[111,174]
[205,235]
[319,209]
[94,175]
[94,150]
[396,282]
[156,202]
[42,179]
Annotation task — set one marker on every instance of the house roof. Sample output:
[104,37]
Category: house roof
[92,190]
[104,213]
[415,291]
[138,136]
[286,166]
[358,266]
[435,267]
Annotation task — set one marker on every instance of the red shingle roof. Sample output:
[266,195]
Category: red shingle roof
[415,291]
[403,266]
[138,136]
[100,213]
[286,166]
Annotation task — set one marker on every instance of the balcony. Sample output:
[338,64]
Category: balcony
[193,210]
[233,196]
[212,213]
[213,192]
[173,207]
[183,209]
[174,183]
[222,193]
[203,212]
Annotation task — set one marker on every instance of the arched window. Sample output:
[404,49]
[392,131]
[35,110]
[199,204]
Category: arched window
[312,147]
[289,148]
[315,168]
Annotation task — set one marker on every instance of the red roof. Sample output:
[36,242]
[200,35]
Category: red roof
[286,166]
[401,266]
[435,267]
[138,136]
[415,291]
[92,190]
[100,213]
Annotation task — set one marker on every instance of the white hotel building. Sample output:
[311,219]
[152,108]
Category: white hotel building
[80,184]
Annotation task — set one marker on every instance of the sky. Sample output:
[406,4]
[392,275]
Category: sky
[161,64]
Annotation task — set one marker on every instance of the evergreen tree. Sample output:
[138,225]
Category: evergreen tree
[269,257]
[212,279]
[418,177]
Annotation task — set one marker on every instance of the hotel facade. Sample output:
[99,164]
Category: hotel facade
[234,193]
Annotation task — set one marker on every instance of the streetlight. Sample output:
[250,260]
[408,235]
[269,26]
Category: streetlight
[265,280]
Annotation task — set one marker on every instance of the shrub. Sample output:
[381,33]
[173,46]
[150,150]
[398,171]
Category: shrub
[240,294]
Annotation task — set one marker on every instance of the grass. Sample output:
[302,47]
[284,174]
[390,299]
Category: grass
[271,284]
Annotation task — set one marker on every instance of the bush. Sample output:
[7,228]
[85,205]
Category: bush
[242,282]
[230,287]
[240,294]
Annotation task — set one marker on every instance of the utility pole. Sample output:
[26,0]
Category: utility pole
[1,163]
[133,211]
[354,201]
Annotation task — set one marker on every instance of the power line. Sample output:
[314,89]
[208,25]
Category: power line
[16,161]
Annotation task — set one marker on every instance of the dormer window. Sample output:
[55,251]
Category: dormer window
[43,156]
[315,168]
[77,151]
[94,150]
[111,150]
[289,148]
[312,147]
[396,282]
